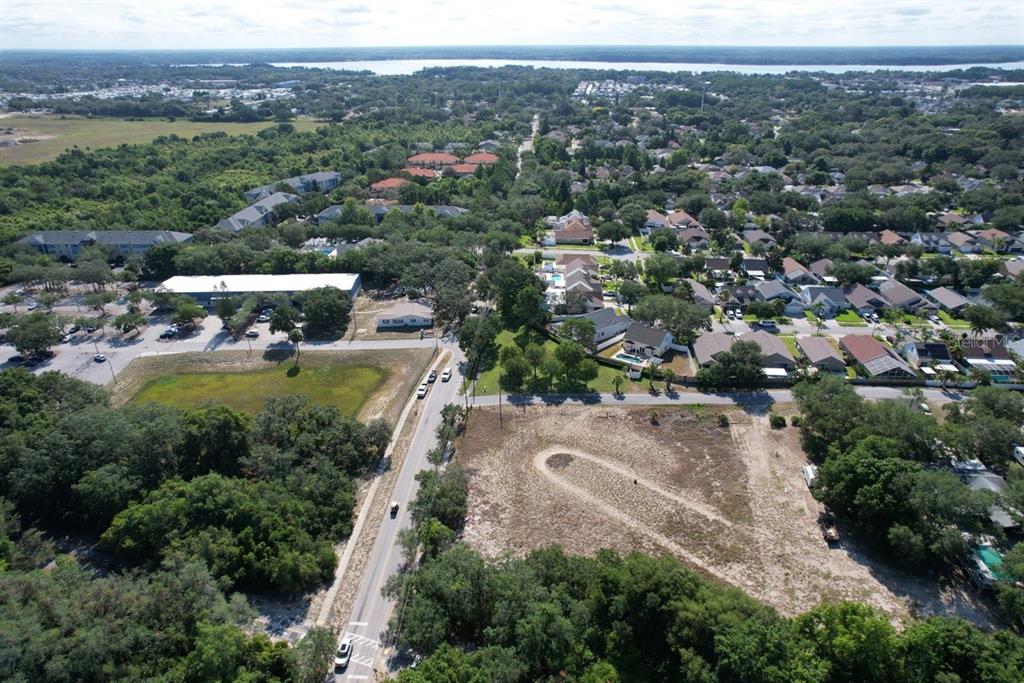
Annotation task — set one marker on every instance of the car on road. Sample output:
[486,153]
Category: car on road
[766,325]
[422,391]
[252,333]
[935,319]
[343,655]
[99,358]
[394,509]
[446,375]
[432,377]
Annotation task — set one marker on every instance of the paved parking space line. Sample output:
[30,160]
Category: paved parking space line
[358,623]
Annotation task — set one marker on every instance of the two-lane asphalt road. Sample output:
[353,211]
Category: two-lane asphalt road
[371,610]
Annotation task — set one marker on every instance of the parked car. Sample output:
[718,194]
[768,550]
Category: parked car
[252,333]
[168,333]
[446,375]
[66,338]
[394,509]
[99,358]
[766,325]
[264,318]
[32,306]
[343,655]
[91,329]
[422,391]
[73,329]
[827,521]
[432,376]
[935,319]
[810,473]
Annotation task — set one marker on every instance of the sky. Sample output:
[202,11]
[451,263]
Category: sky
[216,24]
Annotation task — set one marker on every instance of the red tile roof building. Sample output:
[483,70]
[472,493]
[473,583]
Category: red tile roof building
[481,158]
[420,172]
[387,186]
[464,169]
[433,159]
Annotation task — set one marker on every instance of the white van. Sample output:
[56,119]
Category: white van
[810,474]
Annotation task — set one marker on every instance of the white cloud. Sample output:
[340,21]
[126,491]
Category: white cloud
[169,24]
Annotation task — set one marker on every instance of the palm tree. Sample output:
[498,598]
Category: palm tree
[295,337]
[818,310]
[617,383]
[670,376]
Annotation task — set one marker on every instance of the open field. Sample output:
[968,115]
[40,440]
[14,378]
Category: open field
[51,135]
[364,384]
[728,501]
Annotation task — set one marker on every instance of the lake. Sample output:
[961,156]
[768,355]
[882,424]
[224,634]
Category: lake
[396,67]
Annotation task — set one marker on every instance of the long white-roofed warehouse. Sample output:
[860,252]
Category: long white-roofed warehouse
[206,288]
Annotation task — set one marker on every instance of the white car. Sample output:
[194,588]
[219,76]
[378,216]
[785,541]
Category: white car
[422,391]
[446,375]
[343,654]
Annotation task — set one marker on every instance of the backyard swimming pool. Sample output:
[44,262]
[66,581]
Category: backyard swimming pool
[629,358]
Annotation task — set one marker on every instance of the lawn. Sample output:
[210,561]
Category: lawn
[54,134]
[487,380]
[813,319]
[851,319]
[913,320]
[790,341]
[955,323]
[346,386]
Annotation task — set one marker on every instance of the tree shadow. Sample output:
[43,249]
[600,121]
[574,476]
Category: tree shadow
[294,370]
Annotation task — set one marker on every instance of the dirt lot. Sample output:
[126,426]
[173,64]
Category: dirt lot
[728,501]
[367,305]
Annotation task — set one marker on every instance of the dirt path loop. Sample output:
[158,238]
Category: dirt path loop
[540,462]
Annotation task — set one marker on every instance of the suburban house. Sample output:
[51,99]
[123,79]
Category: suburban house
[864,300]
[409,314]
[821,354]
[995,484]
[66,244]
[589,290]
[462,170]
[948,300]
[1012,269]
[795,273]
[564,262]
[646,341]
[903,297]
[420,172]
[951,220]
[481,159]
[738,296]
[824,302]
[694,239]
[702,296]
[655,221]
[994,239]
[759,238]
[321,181]
[607,323]
[822,268]
[775,353]
[989,356]
[574,232]
[925,354]
[875,359]
[890,238]
[432,159]
[770,290]
[719,265]
[387,187]
[681,219]
[257,215]
[709,345]
[932,242]
[963,242]
[755,267]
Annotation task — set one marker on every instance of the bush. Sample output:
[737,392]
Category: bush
[777,421]
[723,420]
[795,420]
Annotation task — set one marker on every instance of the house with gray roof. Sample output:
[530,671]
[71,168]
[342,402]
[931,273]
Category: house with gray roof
[66,244]
[755,267]
[407,314]
[822,268]
[321,181]
[702,296]
[948,300]
[709,345]
[903,297]
[824,302]
[770,290]
[774,351]
[646,341]
[258,215]
[820,353]
[864,300]
[758,237]
[607,323]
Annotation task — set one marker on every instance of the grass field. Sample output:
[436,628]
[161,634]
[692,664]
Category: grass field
[850,319]
[53,134]
[358,383]
[955,323]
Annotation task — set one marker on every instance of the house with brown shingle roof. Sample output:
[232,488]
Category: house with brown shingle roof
[890,238]
[964,243]
[587,260]
[821,354]
[874,358]
[795,273]
[693,239]
[387,187]
[993,238]
[823,269]
[574,232]
[681,219]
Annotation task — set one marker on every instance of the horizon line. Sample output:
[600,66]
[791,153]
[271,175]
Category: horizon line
[522,45]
